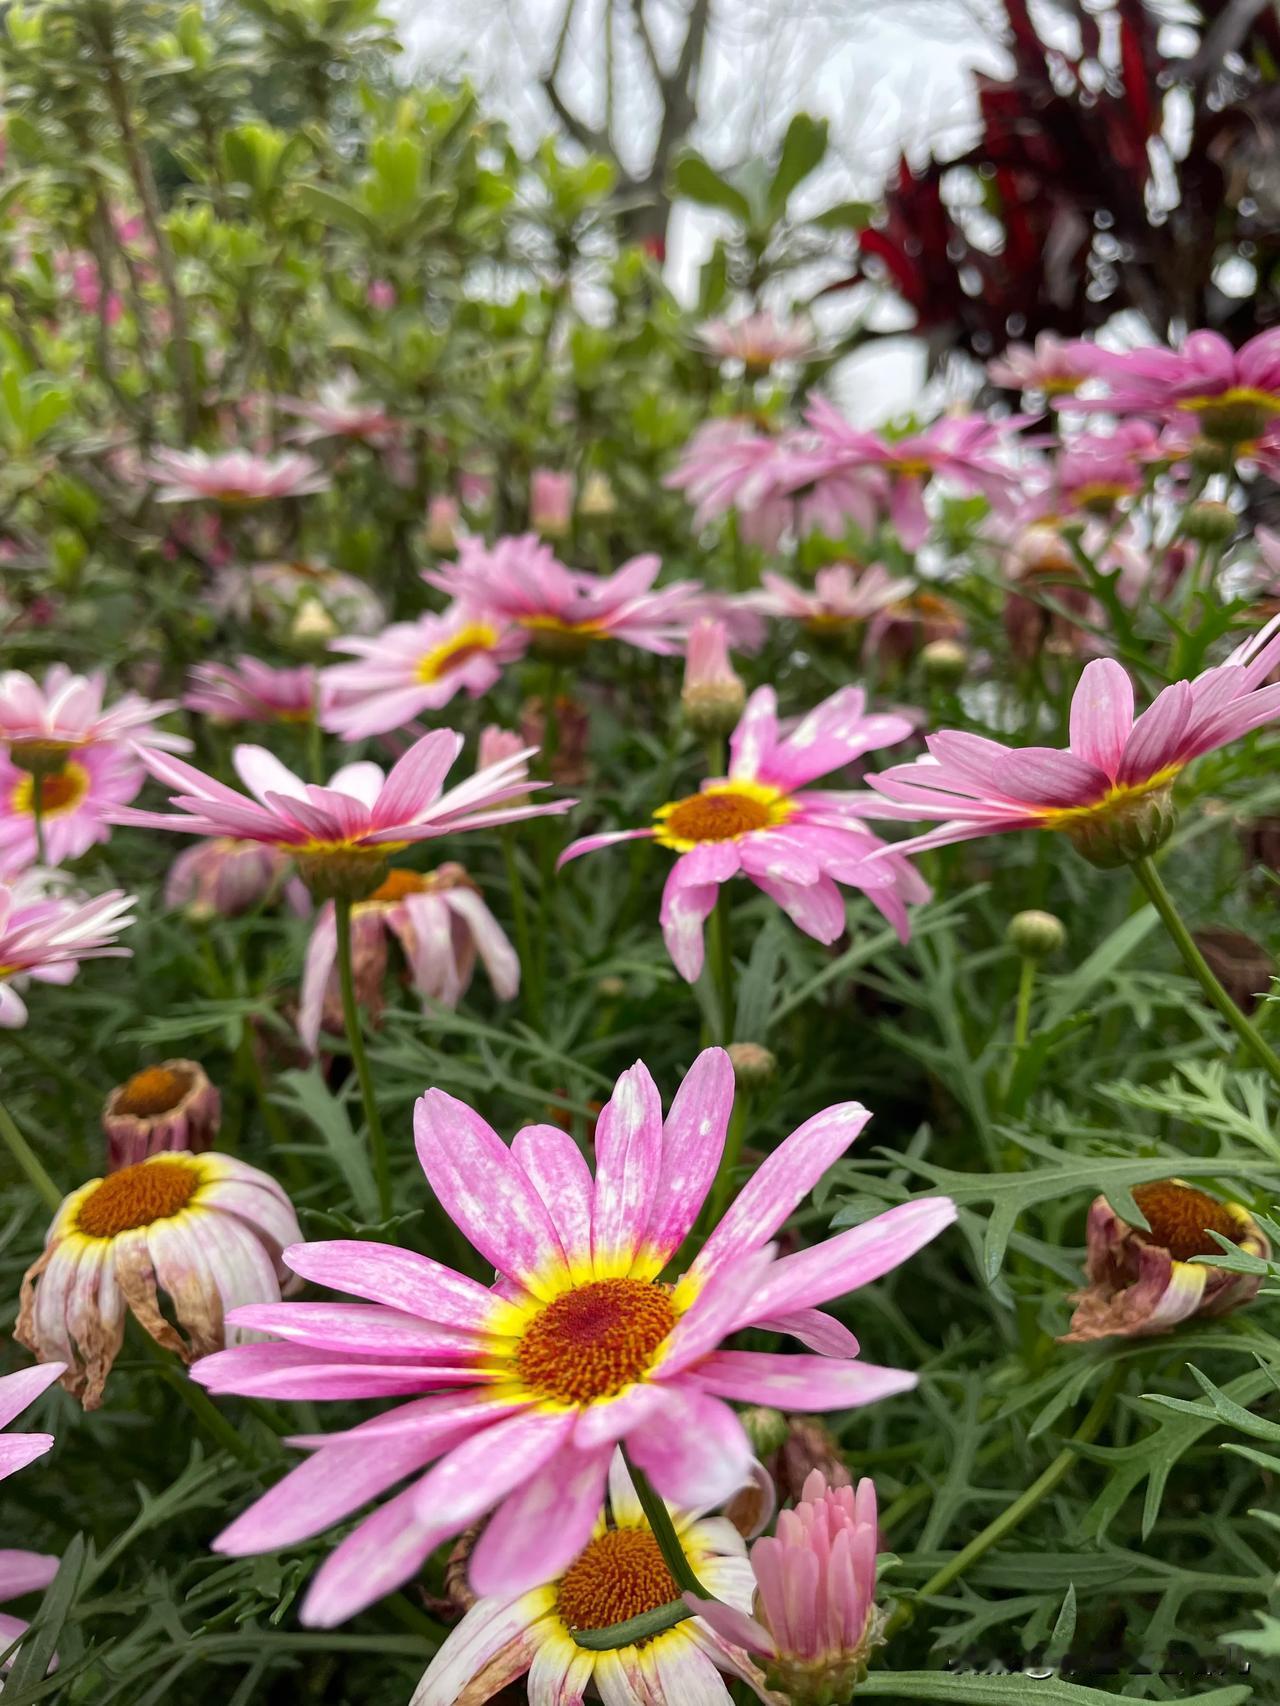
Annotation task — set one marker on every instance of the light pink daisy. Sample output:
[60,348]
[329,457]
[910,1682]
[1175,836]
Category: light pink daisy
[1232,395]
[1096,471]
[224,878]
[759,340]
[338,411]
[1110,791]
[76,803]
[1053,366]
[762,822]
[44,721]
[412,667]
[843,597]
[232,476]
[345,832]
[45,940]
[522,1390]
[22,1572]
[250,691]
[441,922]
[518,581]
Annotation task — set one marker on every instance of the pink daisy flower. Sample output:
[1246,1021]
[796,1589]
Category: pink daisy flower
[522,1390]
[338,412]
[442,924]
[1110,791]
[44,721]
[250,691]
[412,667]
[550,502]
[1053,366]
[518,581]
[232,476]
[45,940]
[225,878]
[760,821]
[342,835]
[843,597]
[76,803]
[1233,395]
[758,340]
[22,1572]
[1096,471]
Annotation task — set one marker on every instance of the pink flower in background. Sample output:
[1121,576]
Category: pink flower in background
[381,294]
[232,476]
[444,519]
[518,581]
[22,1572]
[66,712]
[172,1106]
[1232,395]
[761,822]
[497,744]
[412,667]
[250,691]
[76,803]
[1095,471]
[45,939]
[843,596]
[475,489]
[522,1390]
[550,502]
[338,411]
[742,622]
[759,340]
[224,878]
[1110,789]
[442,924]
[1053,366]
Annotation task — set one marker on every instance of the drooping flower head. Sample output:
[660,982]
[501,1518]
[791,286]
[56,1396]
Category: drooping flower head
[22,1572]
[413,667]
[519,582]
[759,340]
[207,1230]
[518,1393]
[1053,366]
[225,877]
[442,924]
[44,723]
[338,411]
[250,691]
[842,600]
[165,1107]
[1111,790]
[1233,396]
[232,477]
[342,835]
[1141,1283]
[76,804]
[761,821]
[619,1574]
[45,939]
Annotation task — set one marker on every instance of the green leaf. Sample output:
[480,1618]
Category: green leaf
[1071,993]
[694,179]
[802,150]
[38,1645]
[926,1685]
[307,1094]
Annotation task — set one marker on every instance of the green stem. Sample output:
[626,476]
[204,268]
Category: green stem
[664,1532]
[1152,882]
[315,743]
[722,956]
[722,1189]
[37,813]
[359,1059]
[1021,1019]
[1022,1506]
[28,1162]
[520,923]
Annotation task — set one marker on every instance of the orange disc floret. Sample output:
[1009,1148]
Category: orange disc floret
[621,1574]
[398,885]
[593,1341]
[137,1196]
[60,790]
[716,817]
[1181,1218]
[154,1090]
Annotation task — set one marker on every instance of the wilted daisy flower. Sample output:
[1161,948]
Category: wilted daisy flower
[619,1574]
[46,938]
[1146,1282]
[234,477]
[338,411]
[22,1572]
[250,691]
[342,835]
[76,802]
[441,922]
[170,1106]
[1110,792]
[224,877]
[575,1349]
[44,722]
[760,822]
[413,667]
[207,1230]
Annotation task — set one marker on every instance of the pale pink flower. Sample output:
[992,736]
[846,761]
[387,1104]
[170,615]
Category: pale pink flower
[22,1572]
[523,1389]
[759,340]
[619,1574]
[339,412]
[843,596]
[342,833]
[225,877]
[1096,471]
[497,744]
[550,502]
[518,581]
[1110,790]
[381,294]
[413,667]
[443,522]
[76,805]
[736,611]
[206,1229]
[476,489]
[250,691]
[795,843]
[712,695]
[1232,395]
[66,711]
[45,940]
[232,476]
[1055,367]
[442,924]
[165,1107]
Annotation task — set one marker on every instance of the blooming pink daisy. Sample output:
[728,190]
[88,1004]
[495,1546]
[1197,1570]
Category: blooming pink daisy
[76,802]
[45,939]
[344,833]
[224,877]
[843,597]
[23,1572]
[529,1385]
[1233,395]
[232,476]
[1053,366]
[519,581]
[441,922]
[413,667]
[1110,791]
[250,691]
[44,721]
[758,340]
[1096,471]
[338,412]
[795,844]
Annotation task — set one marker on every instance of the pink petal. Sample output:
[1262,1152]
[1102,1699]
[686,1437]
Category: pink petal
[593,843]
[799,1382]
[1157,735]
[816,908]
[628,1161]
[756,735]
[815,1330]
[366,1329]
[415,782]
[380,1554]
[692,1144]
[559,1173]
[693,1448]
[17,1450]
[1102,714]
[25,1572]
[683,913]
[398,1278]
[540,1529]
[484,1469]
[491,1629]
[19,1391]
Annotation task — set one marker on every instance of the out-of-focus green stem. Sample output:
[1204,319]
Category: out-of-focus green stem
[28,1161]
[359,1059]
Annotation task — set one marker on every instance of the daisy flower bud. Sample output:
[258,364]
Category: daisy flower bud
[550,502]
[1036,935]
[165,1107]
[443,517]
[1210,522]
[713,694]
[945,662]
[597,500]
[754,1065]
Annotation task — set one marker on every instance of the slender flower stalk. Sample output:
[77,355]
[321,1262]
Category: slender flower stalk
[359,1059]
[28,1161]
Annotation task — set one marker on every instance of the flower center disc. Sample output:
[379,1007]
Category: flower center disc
[155,1090]
[620,1575]
[470,642]
[398,885]
[1179,1215]
[60,790]
[137,1196]
[719,814]
[595,1340]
